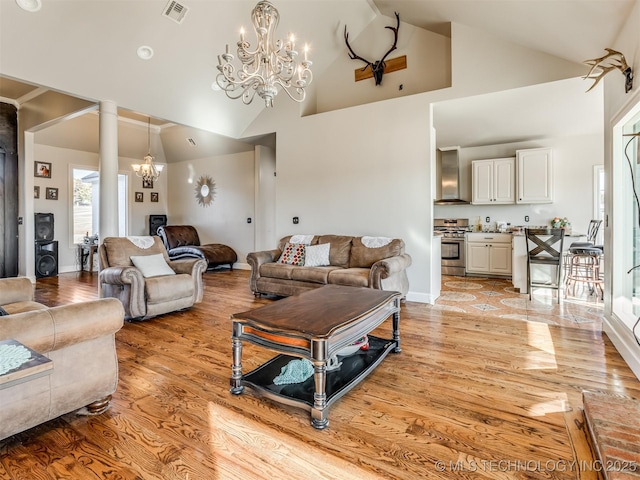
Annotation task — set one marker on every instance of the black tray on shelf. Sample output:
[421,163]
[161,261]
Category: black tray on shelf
[339,381]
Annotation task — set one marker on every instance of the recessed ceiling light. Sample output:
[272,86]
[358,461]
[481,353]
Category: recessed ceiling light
[145,52]
[30,5]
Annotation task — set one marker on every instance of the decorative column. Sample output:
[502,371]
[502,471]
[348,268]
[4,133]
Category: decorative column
[108,167]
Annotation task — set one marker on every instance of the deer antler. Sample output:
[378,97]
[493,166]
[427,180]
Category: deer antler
[395,36]
[377,68]
[352,54]
[599,69]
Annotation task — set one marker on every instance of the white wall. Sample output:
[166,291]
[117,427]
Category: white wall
[360,171]
[265,198]
[63,160]
[428,66]
[225,220]
[573,162]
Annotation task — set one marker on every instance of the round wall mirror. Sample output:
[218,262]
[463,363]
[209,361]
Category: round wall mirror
[205,190]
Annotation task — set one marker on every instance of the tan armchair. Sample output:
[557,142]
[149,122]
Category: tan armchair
[144,297]
[78,338]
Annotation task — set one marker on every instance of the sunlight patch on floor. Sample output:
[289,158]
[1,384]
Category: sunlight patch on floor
[544,355]
[274,453]
[558,402]
[540,337]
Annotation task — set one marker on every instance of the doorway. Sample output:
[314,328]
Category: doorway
[624,251]
[8,191]
[85,219]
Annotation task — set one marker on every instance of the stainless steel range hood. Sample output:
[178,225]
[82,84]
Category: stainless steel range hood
[450,177]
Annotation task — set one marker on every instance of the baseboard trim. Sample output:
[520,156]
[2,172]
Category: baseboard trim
[624,341]
[421,297]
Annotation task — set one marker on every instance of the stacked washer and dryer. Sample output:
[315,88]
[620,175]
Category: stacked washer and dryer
[46,247]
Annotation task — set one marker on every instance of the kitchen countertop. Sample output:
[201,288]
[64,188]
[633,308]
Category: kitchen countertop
[572,234]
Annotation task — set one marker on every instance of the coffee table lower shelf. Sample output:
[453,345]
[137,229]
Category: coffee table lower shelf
[354,368]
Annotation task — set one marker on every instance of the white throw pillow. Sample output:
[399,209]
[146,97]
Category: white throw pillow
[317,255]
[152,265]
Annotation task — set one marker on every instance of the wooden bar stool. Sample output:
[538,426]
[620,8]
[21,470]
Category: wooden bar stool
[544,247]
[584,268]
[592,233]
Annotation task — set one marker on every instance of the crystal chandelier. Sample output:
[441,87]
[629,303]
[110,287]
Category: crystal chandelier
[269,68]
[148,171]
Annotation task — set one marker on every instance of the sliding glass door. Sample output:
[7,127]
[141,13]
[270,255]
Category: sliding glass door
[624,253]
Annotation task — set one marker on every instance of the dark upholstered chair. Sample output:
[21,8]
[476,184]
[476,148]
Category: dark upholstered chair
[183,241]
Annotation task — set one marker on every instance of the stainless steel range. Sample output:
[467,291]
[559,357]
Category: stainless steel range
[453,243]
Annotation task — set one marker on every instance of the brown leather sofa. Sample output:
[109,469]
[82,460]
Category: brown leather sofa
[79,339]
[144,297]
[183,241]
[350,263]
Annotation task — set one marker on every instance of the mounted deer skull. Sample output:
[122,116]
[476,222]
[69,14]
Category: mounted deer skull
[602,65]
[377,68]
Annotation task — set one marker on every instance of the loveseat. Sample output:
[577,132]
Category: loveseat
[305,262]
[137,271]
[183,241]
[78,338]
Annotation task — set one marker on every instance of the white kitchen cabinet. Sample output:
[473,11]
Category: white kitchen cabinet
[493,181]
[489,253]
[534,175]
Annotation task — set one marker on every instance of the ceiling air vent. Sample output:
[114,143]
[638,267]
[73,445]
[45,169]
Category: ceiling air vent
[175,11]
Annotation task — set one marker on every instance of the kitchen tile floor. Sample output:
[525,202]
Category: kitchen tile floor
[497,298]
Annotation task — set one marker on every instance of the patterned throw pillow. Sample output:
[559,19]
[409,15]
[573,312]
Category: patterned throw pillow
[317,255]
[293,254]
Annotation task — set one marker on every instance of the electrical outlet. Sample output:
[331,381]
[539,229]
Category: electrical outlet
[249,220]
[526,218]
[296,220]
[487,219]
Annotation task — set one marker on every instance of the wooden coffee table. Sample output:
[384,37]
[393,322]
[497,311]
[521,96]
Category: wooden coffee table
[315,325]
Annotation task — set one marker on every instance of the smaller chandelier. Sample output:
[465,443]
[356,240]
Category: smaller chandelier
[148,171]
[267,69]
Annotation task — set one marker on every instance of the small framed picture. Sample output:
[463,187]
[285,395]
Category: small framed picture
[154,196]
[139,196]
[36,192]
[52,193]
[147,183]
[42,169]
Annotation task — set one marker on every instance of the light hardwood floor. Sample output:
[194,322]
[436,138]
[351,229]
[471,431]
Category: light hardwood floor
[470,396]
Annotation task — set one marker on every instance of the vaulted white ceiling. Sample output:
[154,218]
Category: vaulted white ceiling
[87,48]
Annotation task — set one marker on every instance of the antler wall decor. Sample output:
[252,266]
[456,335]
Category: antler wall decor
[613,60]
[378,67]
